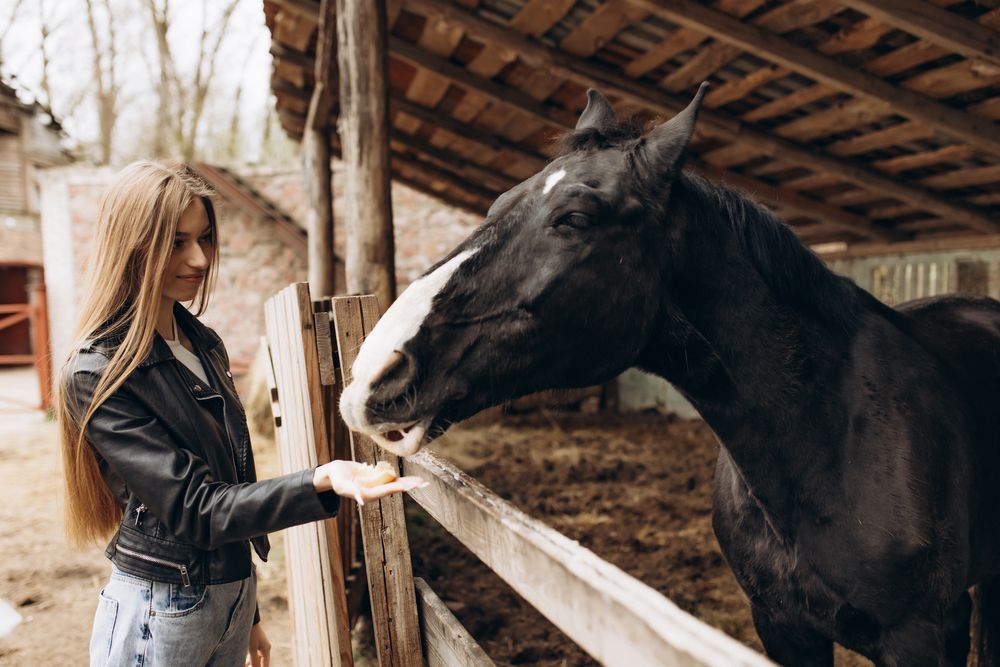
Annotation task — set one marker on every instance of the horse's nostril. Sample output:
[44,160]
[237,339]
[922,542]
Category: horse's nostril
[394,360]
[393,384]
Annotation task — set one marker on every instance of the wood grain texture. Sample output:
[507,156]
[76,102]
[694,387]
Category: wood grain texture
[615,618]
[316,584]
[383,525]
[446,641]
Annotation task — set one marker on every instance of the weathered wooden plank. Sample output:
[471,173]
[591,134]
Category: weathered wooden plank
[767,44]
[681,40]
[836,118]
[962,178]
[649,97]
[783,105]
[954,79]
[970,242]
[446,641]
[321,633]
[781,19]
[938,26]
[535,19]
[740,87]
[855,37]
[615,618]
[383,526]
[607,20]
[953,153]
[793,202]
[880,139]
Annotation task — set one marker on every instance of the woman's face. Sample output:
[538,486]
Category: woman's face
[189,259]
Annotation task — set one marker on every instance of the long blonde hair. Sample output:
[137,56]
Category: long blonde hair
[134,240]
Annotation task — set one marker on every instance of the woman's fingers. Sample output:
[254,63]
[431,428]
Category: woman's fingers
[397,486]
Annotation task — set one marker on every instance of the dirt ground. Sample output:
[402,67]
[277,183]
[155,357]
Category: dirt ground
[634,489]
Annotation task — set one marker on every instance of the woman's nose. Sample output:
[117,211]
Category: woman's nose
[197,259]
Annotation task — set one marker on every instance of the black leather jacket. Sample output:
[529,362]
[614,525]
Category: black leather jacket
[176,453]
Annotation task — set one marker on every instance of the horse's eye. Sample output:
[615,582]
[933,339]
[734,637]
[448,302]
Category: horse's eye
[575,220]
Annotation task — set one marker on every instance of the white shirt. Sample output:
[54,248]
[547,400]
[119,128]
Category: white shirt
[185,356]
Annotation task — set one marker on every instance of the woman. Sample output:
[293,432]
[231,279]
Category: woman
[155,445]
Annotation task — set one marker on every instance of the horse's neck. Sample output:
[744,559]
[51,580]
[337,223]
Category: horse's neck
[750,350]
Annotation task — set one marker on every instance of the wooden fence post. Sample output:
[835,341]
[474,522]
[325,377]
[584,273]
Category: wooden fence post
[315,572]
[383,524]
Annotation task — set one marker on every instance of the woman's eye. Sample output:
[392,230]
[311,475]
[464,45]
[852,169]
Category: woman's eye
[206,239]
[178,245]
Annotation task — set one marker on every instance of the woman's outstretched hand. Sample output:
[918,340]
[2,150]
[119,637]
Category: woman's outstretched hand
[344,479]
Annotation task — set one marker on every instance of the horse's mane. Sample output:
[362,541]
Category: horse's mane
[788,267]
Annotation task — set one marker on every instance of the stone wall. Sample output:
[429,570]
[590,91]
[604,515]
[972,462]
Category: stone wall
[256,260]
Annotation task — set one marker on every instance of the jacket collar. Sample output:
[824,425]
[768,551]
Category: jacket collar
[201,336]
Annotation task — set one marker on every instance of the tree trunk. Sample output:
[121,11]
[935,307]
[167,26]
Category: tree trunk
[364,138]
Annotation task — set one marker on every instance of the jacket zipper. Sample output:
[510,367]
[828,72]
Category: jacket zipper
[138,512]
[185,579]
[240,468]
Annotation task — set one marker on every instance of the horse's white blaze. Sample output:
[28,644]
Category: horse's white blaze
[399,324]
[551,181]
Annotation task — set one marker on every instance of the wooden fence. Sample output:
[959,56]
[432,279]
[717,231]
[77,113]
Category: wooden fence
[615,618]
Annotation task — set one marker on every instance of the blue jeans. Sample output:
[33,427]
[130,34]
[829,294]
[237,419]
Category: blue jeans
[145,623]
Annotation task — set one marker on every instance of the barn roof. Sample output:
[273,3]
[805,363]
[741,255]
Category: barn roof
[862,122]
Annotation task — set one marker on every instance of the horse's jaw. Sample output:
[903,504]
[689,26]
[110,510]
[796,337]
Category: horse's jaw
[398,439]
[402,442]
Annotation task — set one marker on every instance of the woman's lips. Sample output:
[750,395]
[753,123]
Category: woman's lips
[191,279]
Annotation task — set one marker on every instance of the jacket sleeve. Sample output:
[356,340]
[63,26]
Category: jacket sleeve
[177,486]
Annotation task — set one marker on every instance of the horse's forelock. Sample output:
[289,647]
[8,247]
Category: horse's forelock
[611,135]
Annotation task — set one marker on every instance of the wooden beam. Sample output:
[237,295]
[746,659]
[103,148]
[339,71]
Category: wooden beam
[617,619]
[476,209]
[452,179]
[306,8]
[765,44]
[317,174]
[465,130]
[452,162]
[446,641]
[935,25]
[981,242]
[649,97]
[789,200]
[402,165]
[285,52]
[364,137]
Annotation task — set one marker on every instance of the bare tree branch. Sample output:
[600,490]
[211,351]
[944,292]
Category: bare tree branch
[207,57]
[104,79]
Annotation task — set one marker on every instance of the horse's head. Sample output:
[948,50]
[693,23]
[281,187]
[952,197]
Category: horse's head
[552,290]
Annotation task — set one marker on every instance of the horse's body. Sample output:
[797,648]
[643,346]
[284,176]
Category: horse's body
[858,484]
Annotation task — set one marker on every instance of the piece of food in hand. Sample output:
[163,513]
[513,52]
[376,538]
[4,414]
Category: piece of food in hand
[376,475]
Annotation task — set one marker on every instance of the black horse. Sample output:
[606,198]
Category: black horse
[857,491]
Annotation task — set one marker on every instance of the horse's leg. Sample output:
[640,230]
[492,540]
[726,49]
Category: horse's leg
[956,627]
[792,645]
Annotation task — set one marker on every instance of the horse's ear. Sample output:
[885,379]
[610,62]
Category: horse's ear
[598,113]
[666,143]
